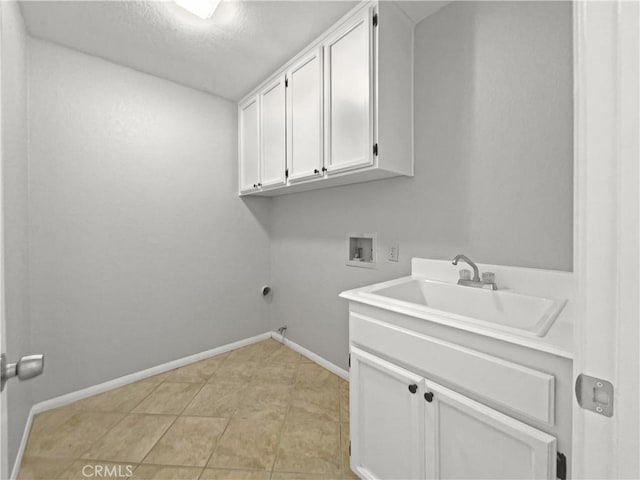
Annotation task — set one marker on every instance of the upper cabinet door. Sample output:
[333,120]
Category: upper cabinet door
[305,117]
[273,136]
[348,95]
[465,439]
[386,419]
[249,144]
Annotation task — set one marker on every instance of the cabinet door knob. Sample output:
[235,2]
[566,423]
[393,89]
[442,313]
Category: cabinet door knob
[428,397]
[413,388]
[316,171]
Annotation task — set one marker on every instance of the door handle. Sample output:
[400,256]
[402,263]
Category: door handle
[428,397]
[413,388]
[27,367]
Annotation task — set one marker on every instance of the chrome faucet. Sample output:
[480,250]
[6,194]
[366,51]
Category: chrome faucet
[488,278]
[464,258]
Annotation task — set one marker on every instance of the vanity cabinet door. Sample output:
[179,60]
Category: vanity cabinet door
[348,95]
[304,118]
[386,419]
[249,144]
[273,135]
[465,439]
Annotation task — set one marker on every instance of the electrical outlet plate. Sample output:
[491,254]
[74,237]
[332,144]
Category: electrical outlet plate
[394,252]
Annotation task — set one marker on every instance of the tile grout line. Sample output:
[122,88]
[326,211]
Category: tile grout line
[235,410]
[100,437]
[206,464]
[79,458]
[177,416]
[284,422]
[289,406]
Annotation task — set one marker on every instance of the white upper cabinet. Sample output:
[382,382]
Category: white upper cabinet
[348,97]
[249,144]
[273,136]
[465,439]
[305,118]
[343,107]
[388,422]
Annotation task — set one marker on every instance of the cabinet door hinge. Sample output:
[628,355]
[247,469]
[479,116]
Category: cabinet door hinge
[349,360]
[349,447]
[286,173]
[286,82]
[375,149]
[375,19]
[561,466]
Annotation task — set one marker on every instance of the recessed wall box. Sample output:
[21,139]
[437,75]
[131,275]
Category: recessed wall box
[361,250]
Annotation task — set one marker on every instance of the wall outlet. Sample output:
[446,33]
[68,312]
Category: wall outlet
[394,252]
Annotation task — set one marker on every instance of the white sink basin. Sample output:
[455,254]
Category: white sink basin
[499,310]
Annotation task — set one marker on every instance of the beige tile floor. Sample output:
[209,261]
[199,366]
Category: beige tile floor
[260,412]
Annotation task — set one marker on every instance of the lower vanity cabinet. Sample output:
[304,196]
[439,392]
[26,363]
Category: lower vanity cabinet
[387,419]
[466,439]
[406,426]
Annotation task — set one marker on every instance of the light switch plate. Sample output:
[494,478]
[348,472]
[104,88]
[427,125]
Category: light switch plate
[394,252]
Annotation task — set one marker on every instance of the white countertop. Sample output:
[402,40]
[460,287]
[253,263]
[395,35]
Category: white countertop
[557,341]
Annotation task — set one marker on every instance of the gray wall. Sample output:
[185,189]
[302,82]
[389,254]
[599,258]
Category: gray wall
[493,169]
[14,164]
[141,251]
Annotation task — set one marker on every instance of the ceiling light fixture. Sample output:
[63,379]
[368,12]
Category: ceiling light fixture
[200,8]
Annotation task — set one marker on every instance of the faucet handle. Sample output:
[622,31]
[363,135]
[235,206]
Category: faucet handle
[488,277]
[465,274]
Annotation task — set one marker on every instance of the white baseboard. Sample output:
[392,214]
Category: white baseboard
[23,445]
[68,398]
[312,356]
[141,375]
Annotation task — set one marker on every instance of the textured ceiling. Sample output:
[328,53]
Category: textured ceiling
[227,55]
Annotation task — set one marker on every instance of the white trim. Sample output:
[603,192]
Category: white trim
[333,368]
[68,398]
[141,375]
[23,445]
[4,440]
[606,231]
